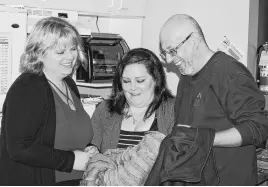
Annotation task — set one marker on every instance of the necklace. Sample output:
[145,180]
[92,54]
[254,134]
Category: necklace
[134,121]
[69,100]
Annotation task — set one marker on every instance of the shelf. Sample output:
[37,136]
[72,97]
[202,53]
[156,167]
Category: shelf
[94,85]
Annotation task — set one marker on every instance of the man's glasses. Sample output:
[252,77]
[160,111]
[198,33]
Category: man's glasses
[173,52]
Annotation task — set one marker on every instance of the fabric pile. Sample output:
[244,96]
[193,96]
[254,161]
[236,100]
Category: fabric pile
[124,167]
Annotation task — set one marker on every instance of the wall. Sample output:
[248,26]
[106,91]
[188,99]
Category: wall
[253,36]
[263,22]
[218,18]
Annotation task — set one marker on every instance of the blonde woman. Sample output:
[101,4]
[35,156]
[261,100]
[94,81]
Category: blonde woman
[44,126]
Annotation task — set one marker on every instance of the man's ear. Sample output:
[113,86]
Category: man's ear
[196,39]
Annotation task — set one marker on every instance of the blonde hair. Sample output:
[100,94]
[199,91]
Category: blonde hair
[47,33]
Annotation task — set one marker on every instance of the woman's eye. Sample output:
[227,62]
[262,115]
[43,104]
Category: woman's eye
[60,52]
[74,49]
[126,81]
[141,81]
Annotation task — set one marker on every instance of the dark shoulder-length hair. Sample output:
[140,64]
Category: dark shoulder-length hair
[117,101]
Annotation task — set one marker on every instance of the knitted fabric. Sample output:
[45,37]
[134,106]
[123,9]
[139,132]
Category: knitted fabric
[124,167]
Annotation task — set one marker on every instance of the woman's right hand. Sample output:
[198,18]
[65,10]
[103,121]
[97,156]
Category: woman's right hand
[81,160]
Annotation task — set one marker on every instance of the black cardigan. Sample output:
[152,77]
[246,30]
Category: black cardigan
[27,153]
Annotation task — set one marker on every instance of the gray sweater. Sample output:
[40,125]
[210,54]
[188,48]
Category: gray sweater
[106,126]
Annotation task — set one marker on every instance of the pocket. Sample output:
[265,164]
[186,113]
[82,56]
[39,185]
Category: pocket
[182,147]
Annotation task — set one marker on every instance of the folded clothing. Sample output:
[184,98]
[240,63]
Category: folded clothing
[124,167]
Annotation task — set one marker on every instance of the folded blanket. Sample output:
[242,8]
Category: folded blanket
[124,167]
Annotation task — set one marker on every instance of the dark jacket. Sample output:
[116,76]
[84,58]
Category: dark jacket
[27,153]
[185,158]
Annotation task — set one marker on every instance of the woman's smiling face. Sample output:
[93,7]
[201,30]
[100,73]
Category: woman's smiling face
[138,85]
[61,58]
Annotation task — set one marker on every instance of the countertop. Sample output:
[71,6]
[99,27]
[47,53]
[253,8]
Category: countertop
[94,85]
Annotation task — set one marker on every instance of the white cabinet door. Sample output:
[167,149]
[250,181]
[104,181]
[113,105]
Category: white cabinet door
[129,29]
[135,8]
[90,6]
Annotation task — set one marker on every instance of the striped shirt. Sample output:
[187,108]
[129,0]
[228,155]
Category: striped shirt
[130,138]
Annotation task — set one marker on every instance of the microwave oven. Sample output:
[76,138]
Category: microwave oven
[104,51]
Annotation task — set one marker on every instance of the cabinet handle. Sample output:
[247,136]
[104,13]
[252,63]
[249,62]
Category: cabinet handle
[121,6]
[112,5]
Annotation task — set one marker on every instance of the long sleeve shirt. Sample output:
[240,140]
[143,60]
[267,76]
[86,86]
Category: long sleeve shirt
[222,95]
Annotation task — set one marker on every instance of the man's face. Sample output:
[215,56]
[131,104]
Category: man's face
[178,50]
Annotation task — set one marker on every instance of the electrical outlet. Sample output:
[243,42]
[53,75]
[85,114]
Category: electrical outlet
[63,15]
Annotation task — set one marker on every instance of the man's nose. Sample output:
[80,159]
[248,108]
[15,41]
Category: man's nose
[169,58]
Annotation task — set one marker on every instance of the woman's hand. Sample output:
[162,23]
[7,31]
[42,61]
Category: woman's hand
[94,168]
[91,149]
[81,159]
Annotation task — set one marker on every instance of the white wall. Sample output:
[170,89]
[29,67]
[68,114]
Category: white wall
[218,18]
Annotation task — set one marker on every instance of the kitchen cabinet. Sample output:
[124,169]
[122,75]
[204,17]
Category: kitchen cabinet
[92,7]
[135,8]
[110,8]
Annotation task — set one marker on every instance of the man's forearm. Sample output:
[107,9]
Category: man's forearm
[228,138]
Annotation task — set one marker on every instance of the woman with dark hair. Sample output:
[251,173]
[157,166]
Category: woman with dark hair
[140,102]
[129,126]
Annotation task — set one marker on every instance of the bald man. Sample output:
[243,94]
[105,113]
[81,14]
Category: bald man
[216,91]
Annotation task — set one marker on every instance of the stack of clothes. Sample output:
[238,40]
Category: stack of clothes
[124,167]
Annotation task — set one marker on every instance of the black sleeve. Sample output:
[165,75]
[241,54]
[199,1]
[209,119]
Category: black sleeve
[245,107]
[24,117]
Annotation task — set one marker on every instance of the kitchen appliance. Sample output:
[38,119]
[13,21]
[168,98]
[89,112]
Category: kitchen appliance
[104,51]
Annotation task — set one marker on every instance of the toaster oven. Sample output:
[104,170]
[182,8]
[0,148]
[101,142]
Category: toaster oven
[104,51]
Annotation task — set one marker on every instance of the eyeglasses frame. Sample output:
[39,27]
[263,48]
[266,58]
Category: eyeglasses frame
[173,51]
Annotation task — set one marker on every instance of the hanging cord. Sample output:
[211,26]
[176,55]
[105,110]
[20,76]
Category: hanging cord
[66,96]
[97,24]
